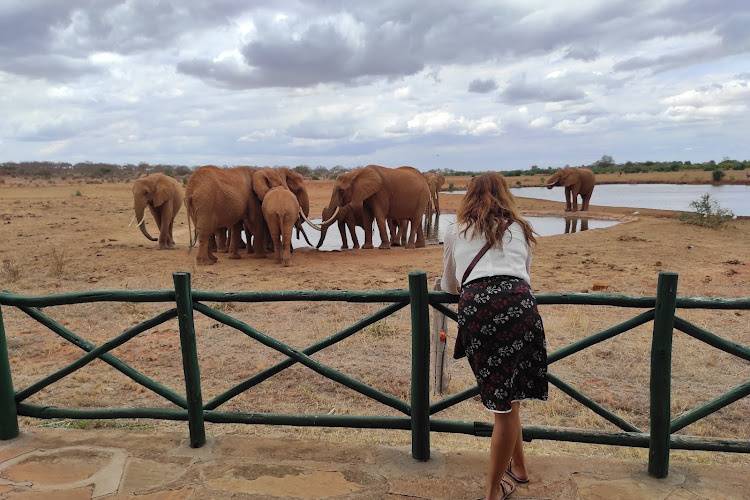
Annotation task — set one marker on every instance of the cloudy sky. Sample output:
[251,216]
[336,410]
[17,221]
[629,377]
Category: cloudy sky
[459,84]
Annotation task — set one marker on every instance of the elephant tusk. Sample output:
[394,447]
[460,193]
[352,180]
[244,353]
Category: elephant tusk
[132,219]
[312,224]
[141,221]
[332,218]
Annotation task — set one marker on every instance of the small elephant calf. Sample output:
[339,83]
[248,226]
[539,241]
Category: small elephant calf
[281,212]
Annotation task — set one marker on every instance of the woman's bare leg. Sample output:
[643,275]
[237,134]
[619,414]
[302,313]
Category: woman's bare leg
[504,440]
[519,461]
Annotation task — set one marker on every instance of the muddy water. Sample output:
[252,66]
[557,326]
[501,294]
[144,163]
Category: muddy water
[434,234]
[660,196]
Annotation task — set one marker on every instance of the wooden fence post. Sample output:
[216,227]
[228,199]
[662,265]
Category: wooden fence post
[661,376]
[8,415]
[420,369]
[184,299]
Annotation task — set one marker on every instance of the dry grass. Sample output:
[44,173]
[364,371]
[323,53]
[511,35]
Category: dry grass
[57,262]
[10,272]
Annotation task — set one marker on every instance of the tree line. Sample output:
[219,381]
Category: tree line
[124,172]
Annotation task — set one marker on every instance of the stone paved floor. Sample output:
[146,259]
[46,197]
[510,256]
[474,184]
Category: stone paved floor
[71,464]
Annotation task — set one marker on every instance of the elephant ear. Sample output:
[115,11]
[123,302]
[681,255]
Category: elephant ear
[296,184]
[568,177]
[365,183]
[264,180]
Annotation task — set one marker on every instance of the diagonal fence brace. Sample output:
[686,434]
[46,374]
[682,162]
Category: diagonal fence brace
[320,368]
[108,358]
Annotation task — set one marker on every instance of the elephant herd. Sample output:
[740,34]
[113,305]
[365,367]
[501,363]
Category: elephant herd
[269,203]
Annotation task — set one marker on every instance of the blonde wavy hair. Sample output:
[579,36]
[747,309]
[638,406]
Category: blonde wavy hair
[488,208]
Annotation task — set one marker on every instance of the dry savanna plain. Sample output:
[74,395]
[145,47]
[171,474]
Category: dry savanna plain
[63,236]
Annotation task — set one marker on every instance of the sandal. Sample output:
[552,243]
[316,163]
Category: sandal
[506,492]
[513,476]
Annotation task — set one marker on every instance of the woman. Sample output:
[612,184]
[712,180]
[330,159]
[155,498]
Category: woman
[487,255]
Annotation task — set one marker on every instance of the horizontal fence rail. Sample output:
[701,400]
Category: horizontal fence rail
[418,412]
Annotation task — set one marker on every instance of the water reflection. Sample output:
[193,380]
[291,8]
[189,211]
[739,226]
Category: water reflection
[571,223]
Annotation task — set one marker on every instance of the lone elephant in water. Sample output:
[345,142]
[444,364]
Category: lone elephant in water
[435,181]
[577,181]
[163,196]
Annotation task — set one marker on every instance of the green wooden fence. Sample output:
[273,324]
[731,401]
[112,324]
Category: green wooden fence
[418,412]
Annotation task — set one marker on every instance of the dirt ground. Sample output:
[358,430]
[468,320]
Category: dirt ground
[64,237]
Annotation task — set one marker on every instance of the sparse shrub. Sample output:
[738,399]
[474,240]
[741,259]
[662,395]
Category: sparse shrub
[57,263]
[451,187]
[707,213]
[77,193]
[738,166]
[381,329]
[10,271]
[718,175]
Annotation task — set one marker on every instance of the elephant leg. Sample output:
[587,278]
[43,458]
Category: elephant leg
[286,252]
[353,232]
[342,232]
[393,229]
[420,241]
[403,227]
[586,200]
[234,241]
[222,244]
[275,230]
[437,203]
[385,242]
[575,199]
[165,214]
[248,236]
[367,219]
[567,199]
[204,258]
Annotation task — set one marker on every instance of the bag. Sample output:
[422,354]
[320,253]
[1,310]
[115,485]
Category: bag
[459,351]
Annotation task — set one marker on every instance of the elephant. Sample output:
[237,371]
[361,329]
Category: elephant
[383,193]
[576,181]
[220,198]
[281,213]
[344,218]
[163,195]
[435,181]
[266,179]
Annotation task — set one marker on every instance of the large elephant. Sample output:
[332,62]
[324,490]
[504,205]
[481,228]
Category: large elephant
[266,179]
[383,193]
[163,196]
[281,213]
[220,198]
[435,181]
[577,181]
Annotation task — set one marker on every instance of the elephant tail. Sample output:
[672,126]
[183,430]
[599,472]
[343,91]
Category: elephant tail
[189,210]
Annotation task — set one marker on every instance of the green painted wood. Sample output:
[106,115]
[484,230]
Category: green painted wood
[420,366]
[454,399]
[36,411]
[190,365]
[351,421]
[108,358]
[95,353]
[320,368]
[304,296]
[445,310]
[689,417]
[609,333]
[61,299]
[309,351]
[8,416]
[712,339]
[592,405]
[661,375]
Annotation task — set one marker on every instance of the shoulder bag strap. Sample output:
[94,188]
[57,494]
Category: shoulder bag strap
[474,262]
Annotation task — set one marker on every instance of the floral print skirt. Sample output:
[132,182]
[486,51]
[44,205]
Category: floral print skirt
[501,332]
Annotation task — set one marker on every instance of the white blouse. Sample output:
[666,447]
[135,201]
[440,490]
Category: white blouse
[513,259]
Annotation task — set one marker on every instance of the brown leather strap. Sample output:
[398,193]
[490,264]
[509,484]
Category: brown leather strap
[474,262]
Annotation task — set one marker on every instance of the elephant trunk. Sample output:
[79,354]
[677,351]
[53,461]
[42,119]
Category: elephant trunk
[140,208]
[323,231]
